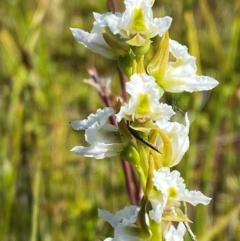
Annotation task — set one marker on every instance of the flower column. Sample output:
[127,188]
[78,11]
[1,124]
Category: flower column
[146,137]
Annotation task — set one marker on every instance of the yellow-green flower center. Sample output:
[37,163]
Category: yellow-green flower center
[143,105]
[138,24]
[172,192]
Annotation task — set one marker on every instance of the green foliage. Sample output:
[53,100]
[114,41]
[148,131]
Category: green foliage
[48,193]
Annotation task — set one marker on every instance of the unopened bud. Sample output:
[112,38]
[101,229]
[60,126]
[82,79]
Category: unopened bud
[158,64]
[131,155]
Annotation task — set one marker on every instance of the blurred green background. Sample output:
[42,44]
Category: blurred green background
[50,194]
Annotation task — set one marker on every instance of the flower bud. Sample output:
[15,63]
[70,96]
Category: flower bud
[158,63]
[130,154]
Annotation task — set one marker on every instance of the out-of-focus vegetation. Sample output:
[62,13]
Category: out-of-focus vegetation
[48,193]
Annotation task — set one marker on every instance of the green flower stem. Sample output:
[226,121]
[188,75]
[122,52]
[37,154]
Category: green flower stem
[138,65]
[167,151]
[156,229]
[144,156]
[142,177]
[149,185]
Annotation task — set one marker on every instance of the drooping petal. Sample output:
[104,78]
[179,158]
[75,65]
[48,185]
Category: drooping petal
[180,75]
[104,139]
[98,150]
[94,42]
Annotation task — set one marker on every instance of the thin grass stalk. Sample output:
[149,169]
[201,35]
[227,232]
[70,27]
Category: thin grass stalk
[35,203]
[220,225]
[194,49]
[213,32]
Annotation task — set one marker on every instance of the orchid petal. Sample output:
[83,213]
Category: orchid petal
[100,117]
[162,24]
[174,234]
[104,139]
[94,42]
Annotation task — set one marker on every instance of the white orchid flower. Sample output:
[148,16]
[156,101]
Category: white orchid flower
[123,223]
[173,189]
[138,19]
[144,103]
[104,138]
[177,137]
[175,234]
[180,75]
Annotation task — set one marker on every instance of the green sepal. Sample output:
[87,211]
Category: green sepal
[135,231]
[126,136]
[158,64]
[130,154]
[140,45]
[115,42]
[144,128]
[176,216]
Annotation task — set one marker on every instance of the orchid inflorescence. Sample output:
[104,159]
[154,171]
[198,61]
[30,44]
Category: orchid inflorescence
[145,136]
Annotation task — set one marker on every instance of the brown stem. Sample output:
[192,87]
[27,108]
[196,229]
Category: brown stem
[111,6]
[123,80]
[131,183]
